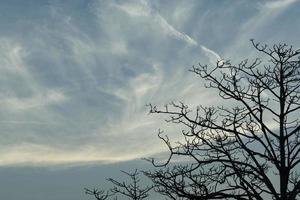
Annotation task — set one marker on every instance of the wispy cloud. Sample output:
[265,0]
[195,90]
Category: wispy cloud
[34,154]
[259,26]
[277,4]
[142,8]
[75,82]
[87,73]
[48,98]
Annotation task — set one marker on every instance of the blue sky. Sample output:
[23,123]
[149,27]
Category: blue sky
[75,76]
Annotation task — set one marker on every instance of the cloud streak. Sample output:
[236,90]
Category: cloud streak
[142,8]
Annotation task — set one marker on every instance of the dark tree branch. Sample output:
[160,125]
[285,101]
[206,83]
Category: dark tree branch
[234,151]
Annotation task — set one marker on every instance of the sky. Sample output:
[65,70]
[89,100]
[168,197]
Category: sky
[76,75]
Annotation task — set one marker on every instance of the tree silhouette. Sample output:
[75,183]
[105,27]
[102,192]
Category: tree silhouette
[246,150]
[132,190]
[98,194]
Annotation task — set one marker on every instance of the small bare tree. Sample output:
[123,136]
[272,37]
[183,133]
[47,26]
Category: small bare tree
[132,190]
[98,194]
[249,150]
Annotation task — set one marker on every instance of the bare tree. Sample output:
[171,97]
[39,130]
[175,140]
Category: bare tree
[98,194]
[132,190]
[249,150]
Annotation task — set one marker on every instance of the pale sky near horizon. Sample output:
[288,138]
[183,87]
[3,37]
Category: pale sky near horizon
[75,76]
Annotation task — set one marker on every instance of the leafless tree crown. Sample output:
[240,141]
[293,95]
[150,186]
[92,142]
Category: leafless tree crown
[247,151]
[130,190]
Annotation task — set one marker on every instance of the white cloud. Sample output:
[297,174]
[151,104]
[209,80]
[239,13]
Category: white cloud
[258,25]
[135,9]
[13,67]
[142,8]
[278,4]
[35,154]
[47,98]
[12,58]
[170,30]
[212,55]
